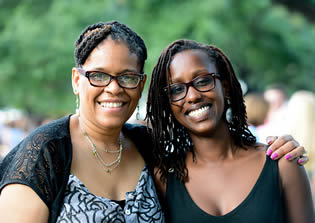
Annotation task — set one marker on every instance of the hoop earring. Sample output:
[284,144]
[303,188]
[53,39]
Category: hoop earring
[77,102]
[228,112]
[138,112]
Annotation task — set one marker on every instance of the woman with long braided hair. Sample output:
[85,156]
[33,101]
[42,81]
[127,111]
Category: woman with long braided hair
[209,166]
[90,166]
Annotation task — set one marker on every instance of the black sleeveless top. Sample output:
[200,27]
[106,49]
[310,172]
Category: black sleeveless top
[263,204]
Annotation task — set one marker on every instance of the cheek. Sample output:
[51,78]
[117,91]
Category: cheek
[176,110]
[134,95]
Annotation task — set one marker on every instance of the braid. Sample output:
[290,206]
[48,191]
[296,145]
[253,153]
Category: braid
[238,128]
[159,112]
[96,33]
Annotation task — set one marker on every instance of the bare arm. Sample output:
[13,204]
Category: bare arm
[297,193]
[19,203]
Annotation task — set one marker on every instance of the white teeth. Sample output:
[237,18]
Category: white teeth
[111,104]
[199,112]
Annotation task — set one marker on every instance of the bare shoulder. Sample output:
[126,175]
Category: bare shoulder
[256,150]
[291,173]
[296,191]
[19,203]
[288,170]
[260,147]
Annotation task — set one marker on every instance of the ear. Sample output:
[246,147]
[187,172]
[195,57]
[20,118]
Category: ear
[142,83]
[75,80]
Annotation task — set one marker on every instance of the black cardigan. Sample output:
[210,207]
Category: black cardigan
[42,160]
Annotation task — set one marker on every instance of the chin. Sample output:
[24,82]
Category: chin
[205,128]
[113,122]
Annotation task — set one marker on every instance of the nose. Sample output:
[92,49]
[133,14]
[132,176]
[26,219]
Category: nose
[113,87]
[192,95]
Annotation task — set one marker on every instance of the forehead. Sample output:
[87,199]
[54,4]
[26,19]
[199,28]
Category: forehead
[112,54]
[190,63]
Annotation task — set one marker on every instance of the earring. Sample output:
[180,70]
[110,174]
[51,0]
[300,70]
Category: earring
[178,140]
[138,113]
[228,113]
[77,101]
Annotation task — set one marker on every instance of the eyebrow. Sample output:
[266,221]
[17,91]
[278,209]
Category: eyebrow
[121,72]
[194,75]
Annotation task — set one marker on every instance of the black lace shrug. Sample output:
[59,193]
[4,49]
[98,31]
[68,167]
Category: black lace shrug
[42,160]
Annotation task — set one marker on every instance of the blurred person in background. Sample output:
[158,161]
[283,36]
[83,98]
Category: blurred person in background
[256,109]
[13,130]
[276,96]
[299,121]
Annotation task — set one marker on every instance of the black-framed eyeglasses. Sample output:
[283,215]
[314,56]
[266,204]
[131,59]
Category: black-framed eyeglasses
[101,79]
[202,83]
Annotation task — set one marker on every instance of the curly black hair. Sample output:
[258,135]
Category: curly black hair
[166,130]
[92,35]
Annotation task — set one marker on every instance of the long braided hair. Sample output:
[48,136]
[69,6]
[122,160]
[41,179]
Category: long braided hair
[171,139]
[92,35]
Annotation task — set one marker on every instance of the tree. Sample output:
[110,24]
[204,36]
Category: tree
[265,42]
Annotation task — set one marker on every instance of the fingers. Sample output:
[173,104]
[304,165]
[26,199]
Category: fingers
[284,145]
[303,160]
[296,153]
[271,139]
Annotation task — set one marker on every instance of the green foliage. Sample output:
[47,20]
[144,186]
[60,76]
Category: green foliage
[265,42]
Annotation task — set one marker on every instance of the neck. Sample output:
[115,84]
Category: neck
[216,146]
[104,137]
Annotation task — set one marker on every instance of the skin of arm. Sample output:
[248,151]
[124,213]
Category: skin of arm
[19,203]
[297,193]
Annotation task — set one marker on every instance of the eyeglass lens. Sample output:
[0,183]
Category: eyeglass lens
[202,83]
[124,80]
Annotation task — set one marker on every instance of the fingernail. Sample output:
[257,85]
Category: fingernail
[288,156]
[274,155]
[300,161]
[269,140]
[269,151]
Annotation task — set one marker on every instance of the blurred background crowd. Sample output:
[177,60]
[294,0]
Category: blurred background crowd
[271,44]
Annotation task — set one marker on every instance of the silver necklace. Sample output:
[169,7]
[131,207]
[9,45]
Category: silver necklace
[108,167]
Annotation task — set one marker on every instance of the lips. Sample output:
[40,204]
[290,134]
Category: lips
[198,111]
[111,104]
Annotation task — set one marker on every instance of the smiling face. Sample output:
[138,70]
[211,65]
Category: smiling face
[199,112]
[110,106]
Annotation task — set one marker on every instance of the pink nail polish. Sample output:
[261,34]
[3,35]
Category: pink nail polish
[300,161]
[274,155]
[288,156]
[269,151]
[269,140]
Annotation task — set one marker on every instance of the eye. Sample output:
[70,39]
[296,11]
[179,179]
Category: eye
[203,81]
[129,78]
[176,89]
[99,77]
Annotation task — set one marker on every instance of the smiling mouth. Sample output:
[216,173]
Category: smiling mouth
[111,104]
[199,112]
